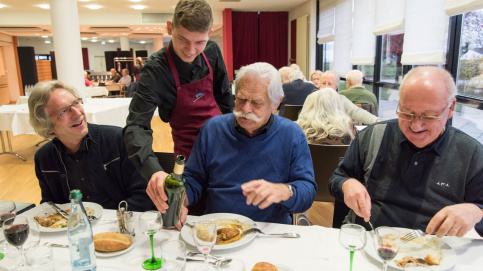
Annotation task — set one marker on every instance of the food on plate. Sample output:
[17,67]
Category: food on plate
[111,241]
[229,231]
[225,234]
[264,266]
[55,220]
[430,259]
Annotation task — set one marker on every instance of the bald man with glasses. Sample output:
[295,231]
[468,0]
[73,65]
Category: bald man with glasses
[416,171]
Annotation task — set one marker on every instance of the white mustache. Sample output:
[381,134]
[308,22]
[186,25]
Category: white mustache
[249,116]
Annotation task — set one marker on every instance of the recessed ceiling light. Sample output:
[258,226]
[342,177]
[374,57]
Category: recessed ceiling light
[110,41]
[45,37]
[44,6]
[142,42]
[2,5]
[47,41]
[138,7]
[134,0]
[84,38]
[94,6]
[84,0]
[103,42]
[93,40]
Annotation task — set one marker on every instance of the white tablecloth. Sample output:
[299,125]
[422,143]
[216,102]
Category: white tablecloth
[114,111]
[96,91]
[317,249]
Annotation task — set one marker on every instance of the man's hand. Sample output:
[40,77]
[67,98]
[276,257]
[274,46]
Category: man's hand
[455,220]
[357,198]
[155,191]
[182,218]
[262,193]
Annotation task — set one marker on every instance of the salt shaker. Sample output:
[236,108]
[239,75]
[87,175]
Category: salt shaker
[120,216]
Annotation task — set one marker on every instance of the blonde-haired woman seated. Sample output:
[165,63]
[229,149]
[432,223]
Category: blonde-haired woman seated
[324,121]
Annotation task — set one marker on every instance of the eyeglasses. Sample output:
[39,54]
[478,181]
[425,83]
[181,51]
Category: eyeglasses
[62,113]
[422,118]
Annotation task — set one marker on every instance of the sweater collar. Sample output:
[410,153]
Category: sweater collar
[260,131]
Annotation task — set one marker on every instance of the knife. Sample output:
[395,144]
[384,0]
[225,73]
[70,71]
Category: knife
[60,211]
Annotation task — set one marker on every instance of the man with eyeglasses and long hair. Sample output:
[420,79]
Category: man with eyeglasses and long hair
[81,155]
[417,171]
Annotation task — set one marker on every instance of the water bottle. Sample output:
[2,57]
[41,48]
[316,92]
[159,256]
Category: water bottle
[79,232]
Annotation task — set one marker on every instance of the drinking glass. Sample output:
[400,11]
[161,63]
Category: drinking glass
[204,235]
[151,222]
[416,267]
[386,241]
[173,256]
[16,232]
[7,210]
[352,237]
[40,258]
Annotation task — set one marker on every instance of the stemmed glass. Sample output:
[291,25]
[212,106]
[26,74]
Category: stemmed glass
[204,235]
[151,222]
[352,237]
[386,241]
[16,232]
[7,210]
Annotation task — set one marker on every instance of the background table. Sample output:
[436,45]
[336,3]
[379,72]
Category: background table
[317,249]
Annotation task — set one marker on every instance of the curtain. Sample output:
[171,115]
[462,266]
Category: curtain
[245,38]
[342,37]
[455,7]
[389,16]
[85,58]
[426,33]
[363,40]
[326,21]
[273,47]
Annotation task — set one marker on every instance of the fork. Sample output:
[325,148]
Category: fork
[284,235]
[193,254]
[412,235]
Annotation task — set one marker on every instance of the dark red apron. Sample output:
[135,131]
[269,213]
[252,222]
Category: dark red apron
[195,104]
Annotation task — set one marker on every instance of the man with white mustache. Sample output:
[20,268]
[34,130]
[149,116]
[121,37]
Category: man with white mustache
[81,155]
[252,162]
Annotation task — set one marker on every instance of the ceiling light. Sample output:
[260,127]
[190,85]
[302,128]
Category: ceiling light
[84,38]
[2,5]
[103,42]
[138,7]
[142,42]
[110,41]
[45,37]
[84,0]
[93,6]
[134,0]
[44,6]
[47,41]
[93,40]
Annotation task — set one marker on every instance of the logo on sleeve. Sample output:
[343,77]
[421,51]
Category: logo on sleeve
[442,184]
[198,96]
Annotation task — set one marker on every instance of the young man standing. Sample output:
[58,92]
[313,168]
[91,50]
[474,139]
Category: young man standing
[188,83]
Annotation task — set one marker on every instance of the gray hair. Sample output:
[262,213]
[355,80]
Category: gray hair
[295,74]
[336,76]
[194,15]
[323,115]
[355,76]
[38,99]
[441,73]
[284,73]
[266,72]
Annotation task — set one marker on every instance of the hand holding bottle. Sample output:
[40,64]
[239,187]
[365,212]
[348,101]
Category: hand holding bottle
[156,192]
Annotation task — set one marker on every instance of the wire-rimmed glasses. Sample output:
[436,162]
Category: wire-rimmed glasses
[422,118]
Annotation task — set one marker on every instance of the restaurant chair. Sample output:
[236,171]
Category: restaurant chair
[166,160]
[130,90]
[369,108]
[291,111]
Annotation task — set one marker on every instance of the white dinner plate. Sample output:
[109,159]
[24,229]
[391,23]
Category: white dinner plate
[283,267]
[116,253]
[46,210]
[416,250]
[186,231]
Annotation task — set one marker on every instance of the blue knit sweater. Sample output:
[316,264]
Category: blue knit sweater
[222,159]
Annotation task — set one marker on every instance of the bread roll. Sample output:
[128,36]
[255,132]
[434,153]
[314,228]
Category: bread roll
[264,266]
[111,241]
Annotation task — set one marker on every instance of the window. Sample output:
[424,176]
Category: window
[328,55]
[469,119]
[391,69]
[388,100]
[368,71]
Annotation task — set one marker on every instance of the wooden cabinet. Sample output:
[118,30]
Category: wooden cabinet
[44,72]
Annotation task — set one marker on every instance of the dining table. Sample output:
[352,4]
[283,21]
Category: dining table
[318,248]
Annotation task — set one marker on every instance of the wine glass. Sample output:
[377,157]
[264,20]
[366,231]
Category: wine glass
[7,210]
[386,241]
[204,235]
[16,232]
[352,237]
[151,222]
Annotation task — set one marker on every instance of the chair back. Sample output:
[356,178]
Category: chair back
[325,159]
[166,160]
[291,111]
[131,89]
[369,108]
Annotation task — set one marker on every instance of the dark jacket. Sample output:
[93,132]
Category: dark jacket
[295,93]
[110,174]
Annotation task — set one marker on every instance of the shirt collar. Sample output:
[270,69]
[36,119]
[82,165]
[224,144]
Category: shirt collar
[260,131]
[180,62]
[438,145]
[84,146]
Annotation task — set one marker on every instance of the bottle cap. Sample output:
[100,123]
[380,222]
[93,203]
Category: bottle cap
[75,194]
[180,159]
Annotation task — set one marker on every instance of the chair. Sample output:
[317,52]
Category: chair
[369,108]
[166,160]
[291,111]
[131,89]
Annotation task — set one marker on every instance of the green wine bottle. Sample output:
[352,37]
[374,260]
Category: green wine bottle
[175,187]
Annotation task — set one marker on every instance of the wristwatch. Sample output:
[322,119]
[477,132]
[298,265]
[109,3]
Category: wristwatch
[290,188]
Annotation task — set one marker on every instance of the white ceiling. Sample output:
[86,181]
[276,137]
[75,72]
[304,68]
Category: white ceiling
[118,27]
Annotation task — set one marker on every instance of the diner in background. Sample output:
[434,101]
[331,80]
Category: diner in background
[138,67]
[87,78]
[295,91]
[188,83]
[356,92]
[252,162]
[285,74]
[417,171]
[115,76]
[324,121]
[331,79]
[81,155]
[316,77]
[126,78]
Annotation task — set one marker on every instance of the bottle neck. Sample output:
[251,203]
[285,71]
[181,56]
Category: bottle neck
[178,169]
